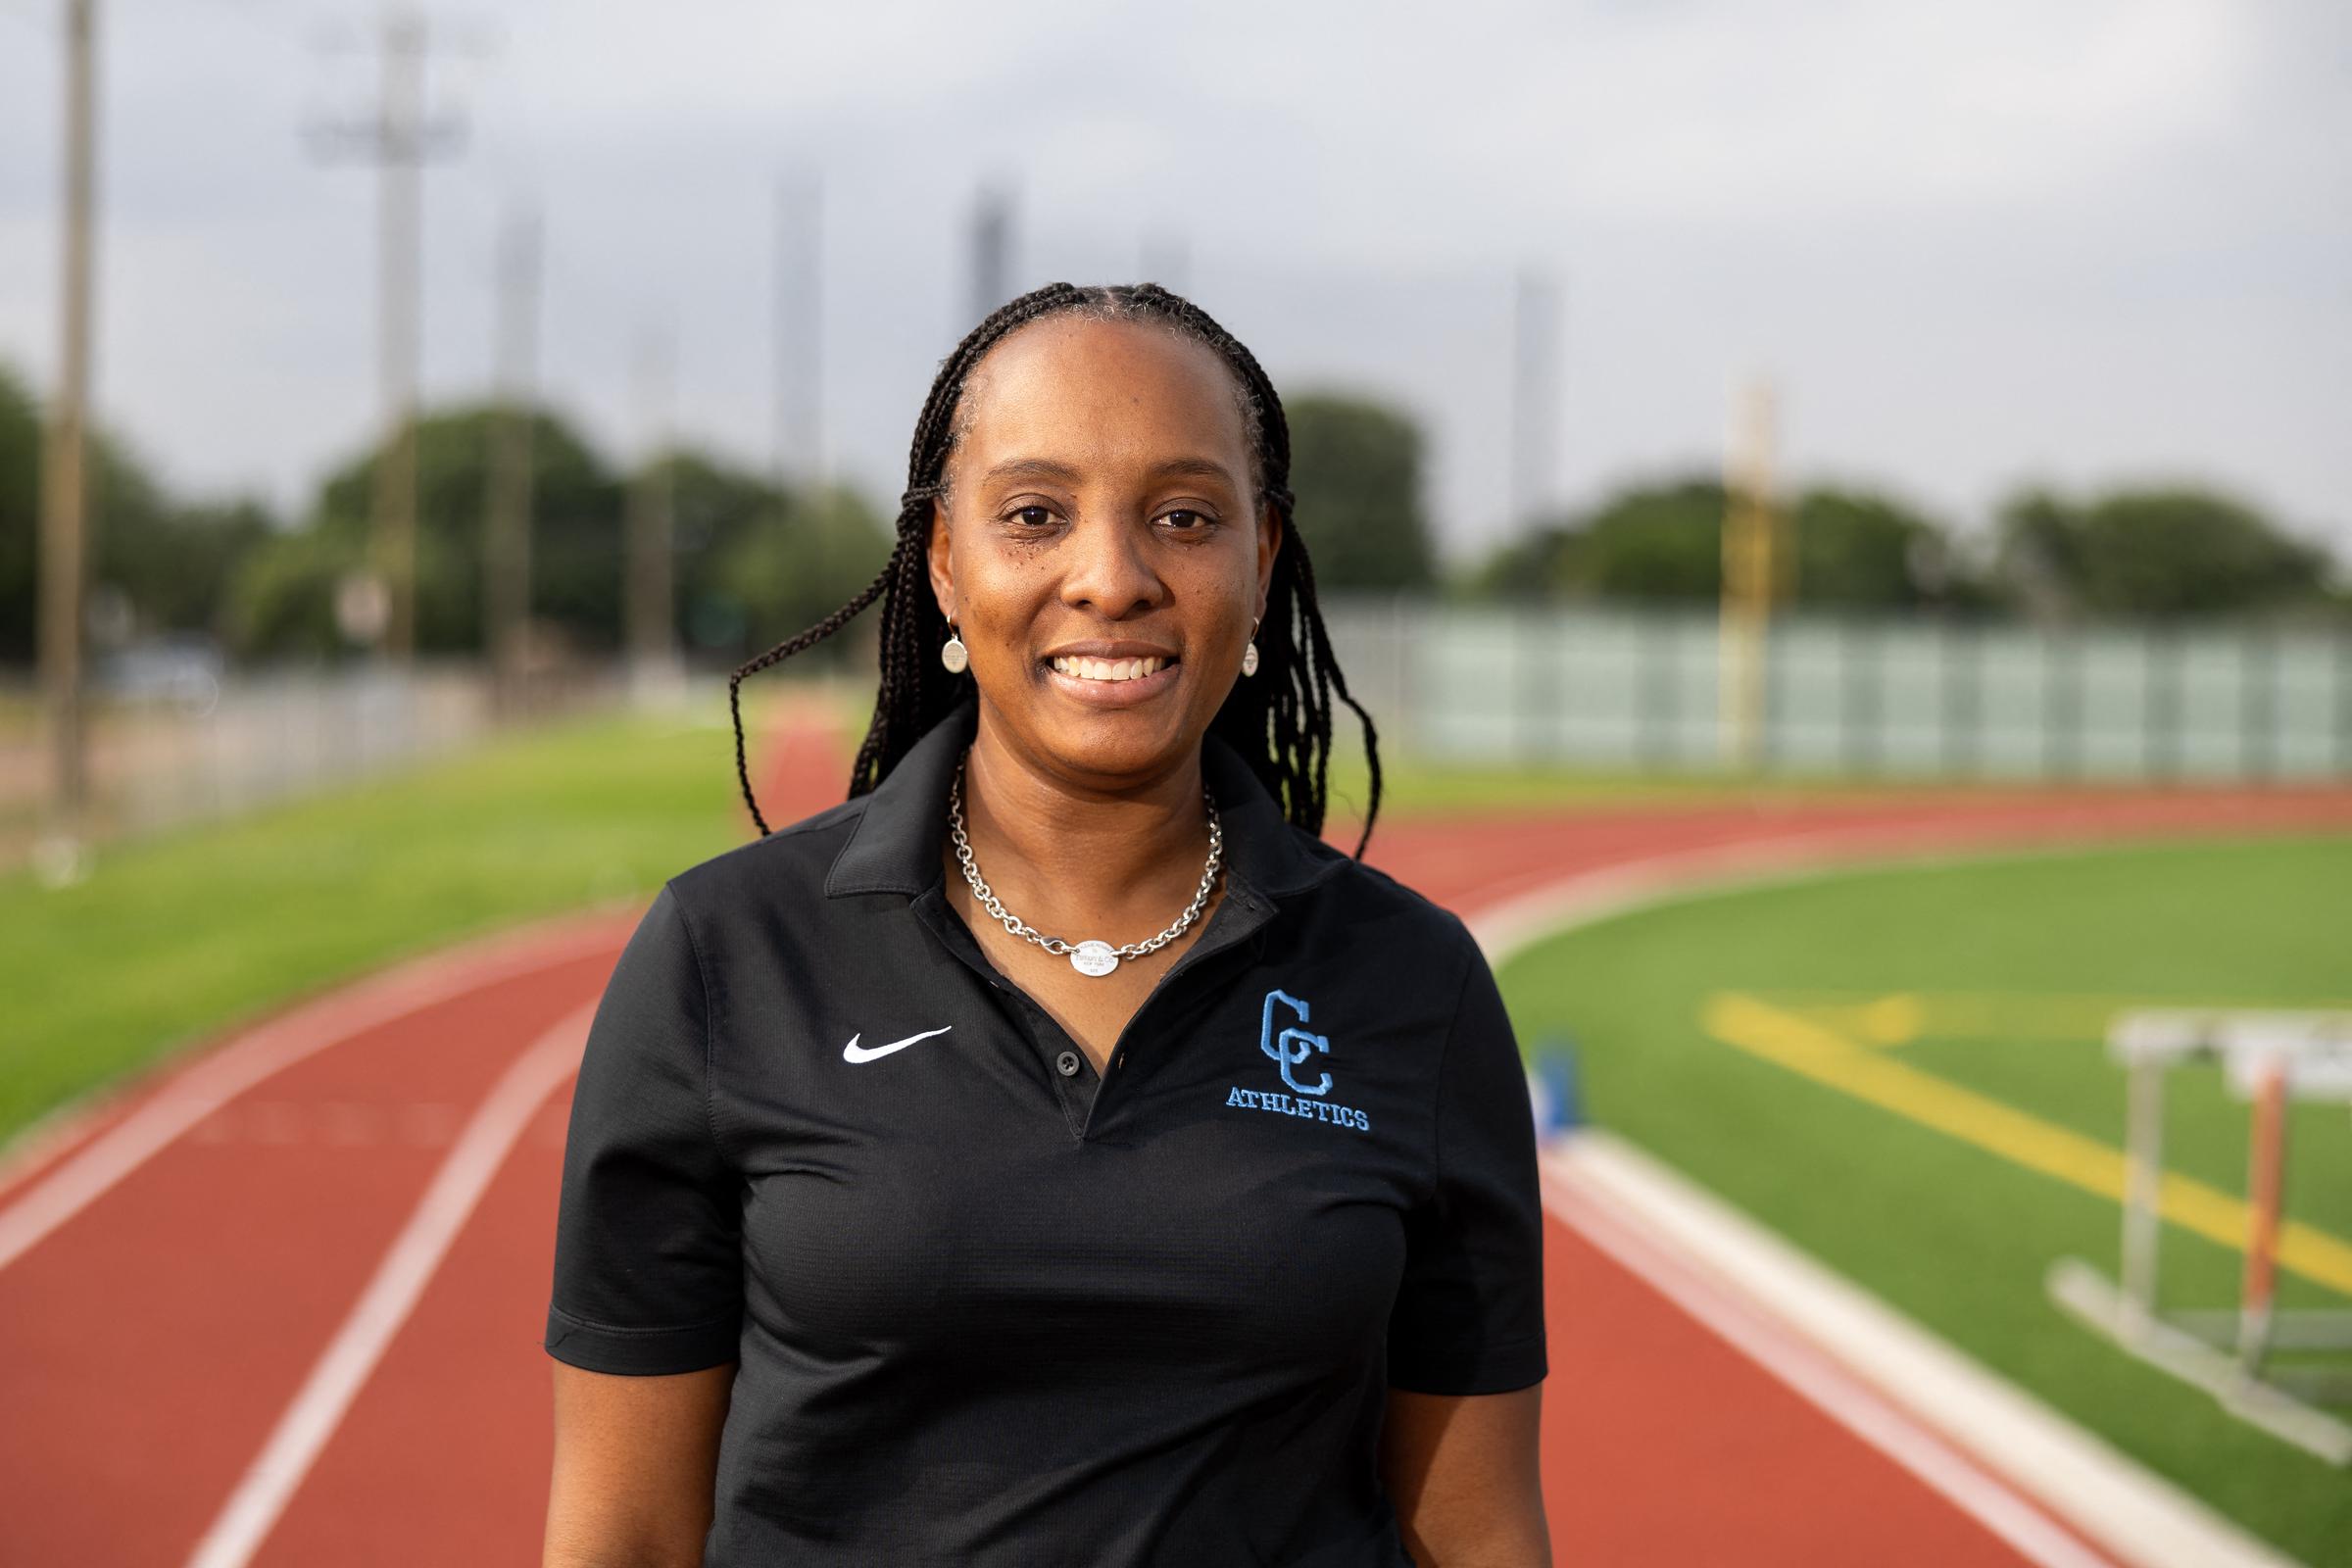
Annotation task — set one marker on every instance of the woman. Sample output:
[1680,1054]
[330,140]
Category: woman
[1056,1154]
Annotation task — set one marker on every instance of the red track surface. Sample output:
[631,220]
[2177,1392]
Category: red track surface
[151,1341]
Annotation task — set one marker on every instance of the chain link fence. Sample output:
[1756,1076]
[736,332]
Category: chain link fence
[204,746]
[1622,687]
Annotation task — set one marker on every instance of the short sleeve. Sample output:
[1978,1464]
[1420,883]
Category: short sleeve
[648,1270]
[1469,1311]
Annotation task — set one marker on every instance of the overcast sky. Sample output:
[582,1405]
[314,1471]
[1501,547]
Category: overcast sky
[1973,242]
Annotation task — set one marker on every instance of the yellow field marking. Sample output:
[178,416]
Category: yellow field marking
[1892,1020]
[1902,1018]
[1825,1056]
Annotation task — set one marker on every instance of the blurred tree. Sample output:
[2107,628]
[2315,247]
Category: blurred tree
[2170,551]
[1860,550]
[174,563]
[280,601]
[757,565]
[19,518]
[1656,542]
[1533,565]
[576,545]
[1663,542]
[170,563]
[754,566]
[1355,468]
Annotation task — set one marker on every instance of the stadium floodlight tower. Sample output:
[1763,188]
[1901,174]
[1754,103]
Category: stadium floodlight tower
[2268,1059]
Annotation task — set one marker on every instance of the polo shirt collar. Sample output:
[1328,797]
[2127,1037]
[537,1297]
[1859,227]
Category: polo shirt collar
[897,845]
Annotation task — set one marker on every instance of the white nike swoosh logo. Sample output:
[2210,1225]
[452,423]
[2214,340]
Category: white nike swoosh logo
[851,1052]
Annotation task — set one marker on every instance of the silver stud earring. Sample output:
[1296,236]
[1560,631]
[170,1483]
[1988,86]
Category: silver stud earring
[1250,654]
[953,654]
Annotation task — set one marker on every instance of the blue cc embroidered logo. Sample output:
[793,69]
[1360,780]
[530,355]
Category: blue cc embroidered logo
[1291,1047]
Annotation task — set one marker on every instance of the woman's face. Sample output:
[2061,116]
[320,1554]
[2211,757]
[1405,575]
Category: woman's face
[1100,508]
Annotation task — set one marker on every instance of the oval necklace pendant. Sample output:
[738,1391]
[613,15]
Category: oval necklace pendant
[1094,957]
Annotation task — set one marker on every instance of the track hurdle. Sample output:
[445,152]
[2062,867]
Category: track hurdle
[2267,1059]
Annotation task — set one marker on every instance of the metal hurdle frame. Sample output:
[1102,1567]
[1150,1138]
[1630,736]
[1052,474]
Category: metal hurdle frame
[2268,1057]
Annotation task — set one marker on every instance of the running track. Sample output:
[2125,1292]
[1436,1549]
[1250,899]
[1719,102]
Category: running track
[280,1302]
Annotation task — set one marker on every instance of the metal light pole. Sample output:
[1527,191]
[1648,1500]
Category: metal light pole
[991,254]
[1753,571]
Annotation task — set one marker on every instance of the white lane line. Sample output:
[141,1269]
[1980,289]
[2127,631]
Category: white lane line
[302,1433]
[90,1172]
[1989,1501]
[2034,1450]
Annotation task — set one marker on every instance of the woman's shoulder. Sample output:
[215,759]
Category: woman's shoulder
[1364,892]
[787,863]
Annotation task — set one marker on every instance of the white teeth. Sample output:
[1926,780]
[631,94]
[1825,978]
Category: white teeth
[1107,669]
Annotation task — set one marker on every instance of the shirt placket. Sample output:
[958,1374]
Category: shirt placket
[1078,1089]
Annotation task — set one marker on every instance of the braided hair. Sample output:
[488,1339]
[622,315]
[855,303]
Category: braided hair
[1280,719]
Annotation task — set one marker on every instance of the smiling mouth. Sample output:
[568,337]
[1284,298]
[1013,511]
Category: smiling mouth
[1110,672]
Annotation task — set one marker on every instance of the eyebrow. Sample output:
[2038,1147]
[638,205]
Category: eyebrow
[1061,473]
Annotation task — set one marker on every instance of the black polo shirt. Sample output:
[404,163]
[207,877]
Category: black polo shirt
[987,1309]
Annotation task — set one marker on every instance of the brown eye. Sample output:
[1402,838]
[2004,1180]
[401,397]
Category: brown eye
[1030,517]
[1193,521]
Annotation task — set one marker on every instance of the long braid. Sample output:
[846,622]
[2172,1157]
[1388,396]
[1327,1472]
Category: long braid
[785,650]
[1280,719]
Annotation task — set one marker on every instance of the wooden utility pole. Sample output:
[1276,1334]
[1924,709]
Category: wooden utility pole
[65,534]
[799,433]
[507,545]
[400,267]
[397,138]
[1754,565]
[650,592]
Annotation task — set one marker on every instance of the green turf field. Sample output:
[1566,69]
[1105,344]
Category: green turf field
[1839,1057]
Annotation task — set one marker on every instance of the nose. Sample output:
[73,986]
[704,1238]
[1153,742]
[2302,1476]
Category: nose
[1110,567]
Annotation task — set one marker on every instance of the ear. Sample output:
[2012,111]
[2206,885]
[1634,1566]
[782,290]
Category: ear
[943,576]
[1269,544]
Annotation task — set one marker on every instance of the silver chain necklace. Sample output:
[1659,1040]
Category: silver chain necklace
[1091,956]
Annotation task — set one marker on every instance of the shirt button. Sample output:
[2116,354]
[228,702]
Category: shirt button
[1066,1065]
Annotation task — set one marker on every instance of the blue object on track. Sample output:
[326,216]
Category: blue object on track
[1552,1087]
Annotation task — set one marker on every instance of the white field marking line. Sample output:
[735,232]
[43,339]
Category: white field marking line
[1942,1469]
[302,1433]
[2141,1518]
[2144,1519]
[221,1074]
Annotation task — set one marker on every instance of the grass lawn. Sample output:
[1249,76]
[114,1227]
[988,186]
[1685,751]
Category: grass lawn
[178,935]
[2002,972]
